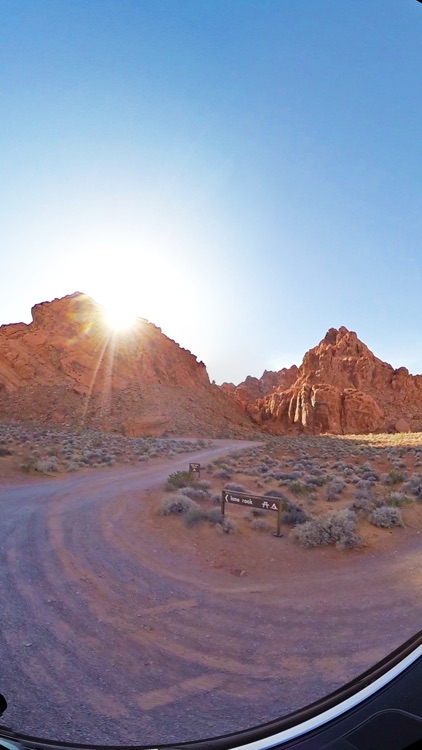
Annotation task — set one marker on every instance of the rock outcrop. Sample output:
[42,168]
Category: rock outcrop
[254,388]
[68,367]
[342,388]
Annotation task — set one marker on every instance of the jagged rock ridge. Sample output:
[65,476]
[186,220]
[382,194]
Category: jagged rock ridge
[68,367]
[342,388]
[254,388]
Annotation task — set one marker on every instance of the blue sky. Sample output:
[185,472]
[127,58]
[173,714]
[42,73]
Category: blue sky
[245,174]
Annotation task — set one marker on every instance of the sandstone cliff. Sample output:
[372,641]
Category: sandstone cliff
[343,388]
[68,367]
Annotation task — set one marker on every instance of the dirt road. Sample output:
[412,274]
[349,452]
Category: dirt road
[110,635]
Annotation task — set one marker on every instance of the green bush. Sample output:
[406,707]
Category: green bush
[194,515]
[179,479]
[395,477]
[297,488]
[397,499]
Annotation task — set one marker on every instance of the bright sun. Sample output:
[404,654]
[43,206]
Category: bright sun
[119,317]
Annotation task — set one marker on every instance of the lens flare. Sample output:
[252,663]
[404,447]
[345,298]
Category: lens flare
[119,318]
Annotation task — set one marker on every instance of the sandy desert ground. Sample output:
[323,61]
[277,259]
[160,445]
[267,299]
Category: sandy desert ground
[123,625]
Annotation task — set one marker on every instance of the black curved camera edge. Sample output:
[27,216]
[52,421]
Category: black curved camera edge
[379,710]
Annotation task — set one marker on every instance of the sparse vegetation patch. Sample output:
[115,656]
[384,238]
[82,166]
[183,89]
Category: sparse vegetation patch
[386,517]
[334,528]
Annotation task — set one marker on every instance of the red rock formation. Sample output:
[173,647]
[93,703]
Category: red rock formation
[254,388]
[342,388]
[68,367]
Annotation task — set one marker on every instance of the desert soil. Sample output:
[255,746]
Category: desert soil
[121,626]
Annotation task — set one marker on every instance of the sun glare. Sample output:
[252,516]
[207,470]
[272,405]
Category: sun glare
[119,318]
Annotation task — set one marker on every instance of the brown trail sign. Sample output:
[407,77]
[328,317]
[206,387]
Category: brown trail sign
[253,501]
[195,468]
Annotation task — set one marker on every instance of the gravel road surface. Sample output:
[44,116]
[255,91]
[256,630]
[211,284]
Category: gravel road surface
[109,636]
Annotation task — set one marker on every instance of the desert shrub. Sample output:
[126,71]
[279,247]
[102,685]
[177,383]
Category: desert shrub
[195,494]
[393,477]
[363,488]
[370,476]
[260,524]
[344,529]
[108,460]
[400,464]
[28,465]
[176,504]
[194,515]
[45,465]
[275,493]
[233,487]
[312,498]
[223,474]
[386,517]
[296,474]
[334,489]
[5,451]
[220,462]
[397,499]
[215,515]
[226,526]
[258,513]
[297,488]
[203,484]
[294,515]
[363,502]
[333,528]
[178,480]
[415,485]
[315,481]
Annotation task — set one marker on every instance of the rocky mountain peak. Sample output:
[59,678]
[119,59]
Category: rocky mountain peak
[342,387]
[68,366]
